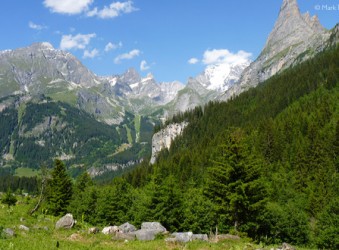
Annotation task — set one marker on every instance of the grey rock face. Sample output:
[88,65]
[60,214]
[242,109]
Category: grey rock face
[66,222]
[145,235]
[183,237]
[127,228]
[293,35]
[187,237]
[163,139]
[203,237]
[153,226]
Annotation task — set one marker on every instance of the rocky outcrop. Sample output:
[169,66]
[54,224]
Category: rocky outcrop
[110,230]
[98,171]
[163,139]
[149,230]
[186,237]
[127,228]
[294,38]
[66,222]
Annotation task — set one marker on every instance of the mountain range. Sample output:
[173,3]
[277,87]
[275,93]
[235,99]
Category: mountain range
[128,106]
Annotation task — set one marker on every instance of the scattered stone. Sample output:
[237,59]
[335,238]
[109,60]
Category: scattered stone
[127,228]
[153,226]
[110,230]
[145,234]
[66,222]
[22,219]
[183,237]
[186,237]
[24,228]
[93,230]
[9,232]
[202,237]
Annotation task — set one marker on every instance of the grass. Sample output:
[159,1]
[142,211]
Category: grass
[129,134]
[137,123]
[38,238]
[26,172]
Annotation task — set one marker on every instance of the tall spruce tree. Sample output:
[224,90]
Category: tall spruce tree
[60,189]
[235,186]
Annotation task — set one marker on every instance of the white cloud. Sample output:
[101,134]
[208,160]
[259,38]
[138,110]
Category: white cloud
[225,56]
[112,46]
[115,9]
[193,60]
[70,7]
[35,26]
[79,41]
[127,56]
[91,54]
[144,66]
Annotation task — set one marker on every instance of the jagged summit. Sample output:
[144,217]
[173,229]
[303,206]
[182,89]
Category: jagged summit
[292,27]
[294,34]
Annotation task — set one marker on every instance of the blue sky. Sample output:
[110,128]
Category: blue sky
[173,39]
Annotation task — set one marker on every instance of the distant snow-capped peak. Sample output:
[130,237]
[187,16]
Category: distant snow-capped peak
[221,76]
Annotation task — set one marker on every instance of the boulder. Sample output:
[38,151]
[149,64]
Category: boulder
[153,226]
[186,237]
[127,228]
[9,232]
[93,230]
[110,230]
[183,237]
[24,228]
[66,222]
[145,234]
[202,237]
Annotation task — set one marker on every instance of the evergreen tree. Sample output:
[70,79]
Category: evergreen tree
[9,199]
[234,184]
[83,202]
[60,189]
[328,226]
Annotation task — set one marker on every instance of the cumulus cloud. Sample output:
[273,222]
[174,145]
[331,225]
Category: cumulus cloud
[218,56]
[112,46]
[193,60]
[35,26]
[91,54]
[144,66]
[69,7]
[127,56]
[115,9]
[79,41]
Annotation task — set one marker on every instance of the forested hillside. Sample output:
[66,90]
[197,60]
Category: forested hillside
[34,132]
[263,165]
[267,161]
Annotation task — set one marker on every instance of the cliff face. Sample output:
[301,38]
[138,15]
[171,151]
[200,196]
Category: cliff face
[163,139]
[294,38]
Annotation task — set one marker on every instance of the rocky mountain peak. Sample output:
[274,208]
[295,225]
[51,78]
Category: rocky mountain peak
[131,76]
[291,27]
[293,35]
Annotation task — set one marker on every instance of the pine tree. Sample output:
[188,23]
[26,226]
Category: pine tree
[60,190]
[9,199]
[234,184]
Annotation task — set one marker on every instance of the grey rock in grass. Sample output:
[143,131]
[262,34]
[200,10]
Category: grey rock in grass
[66,222]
